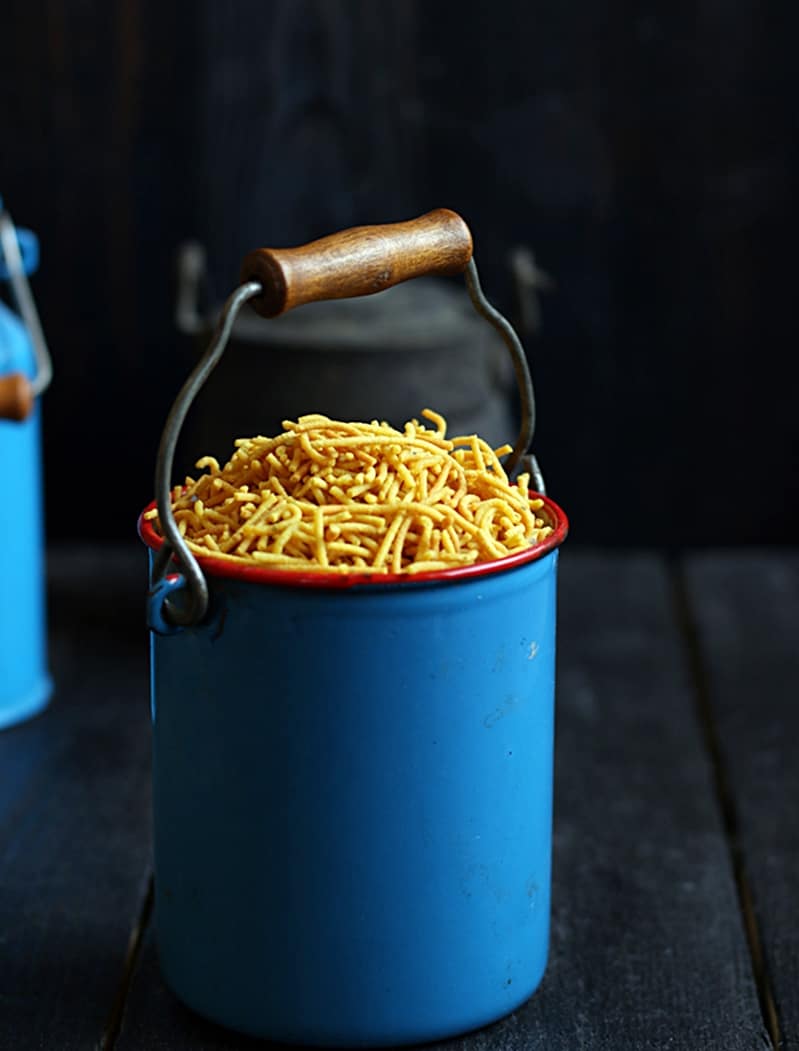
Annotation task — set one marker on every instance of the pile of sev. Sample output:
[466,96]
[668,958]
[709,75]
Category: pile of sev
[358,497]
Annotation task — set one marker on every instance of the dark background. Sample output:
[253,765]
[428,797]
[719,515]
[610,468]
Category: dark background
[646,152]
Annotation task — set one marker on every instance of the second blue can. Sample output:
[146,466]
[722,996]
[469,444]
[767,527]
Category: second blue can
[353,801]
[25,684]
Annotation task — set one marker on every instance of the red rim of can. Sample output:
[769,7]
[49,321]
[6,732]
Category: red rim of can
[318,578]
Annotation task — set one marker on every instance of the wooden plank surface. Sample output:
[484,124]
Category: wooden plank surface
[648,947]
[74,813]
[746,610]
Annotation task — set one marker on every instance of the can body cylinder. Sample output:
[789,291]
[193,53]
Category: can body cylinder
[353,804]
[25,685]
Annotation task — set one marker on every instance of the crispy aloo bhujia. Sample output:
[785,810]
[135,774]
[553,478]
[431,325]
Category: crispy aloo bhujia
[358,497]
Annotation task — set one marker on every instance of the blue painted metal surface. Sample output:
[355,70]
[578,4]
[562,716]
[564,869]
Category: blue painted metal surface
[352,803]
[25,685]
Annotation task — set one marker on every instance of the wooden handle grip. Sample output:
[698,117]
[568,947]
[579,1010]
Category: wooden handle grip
[16,397]
[358,261]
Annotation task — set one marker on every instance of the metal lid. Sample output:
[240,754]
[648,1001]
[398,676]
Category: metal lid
[19,256]
[28,244]
[16,352]
[423,314]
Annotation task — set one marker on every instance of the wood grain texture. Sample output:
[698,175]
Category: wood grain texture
[290,146]
[746,610]
[648,950]
[74,812]
[358,262]
[647,156]
[101,157]
[16,398]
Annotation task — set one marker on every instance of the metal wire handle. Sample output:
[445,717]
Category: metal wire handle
[182,614]
[524,381]
[25,304]
[174,542]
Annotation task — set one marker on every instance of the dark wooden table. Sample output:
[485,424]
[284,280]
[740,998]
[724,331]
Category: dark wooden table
[676,843]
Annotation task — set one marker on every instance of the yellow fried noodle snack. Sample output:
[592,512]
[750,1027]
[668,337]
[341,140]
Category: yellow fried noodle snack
[358,497]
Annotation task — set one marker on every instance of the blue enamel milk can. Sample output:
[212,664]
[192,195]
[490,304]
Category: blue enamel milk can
[352,775]
[25,685]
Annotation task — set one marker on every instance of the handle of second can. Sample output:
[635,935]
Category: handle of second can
[16,397]
[358,261]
